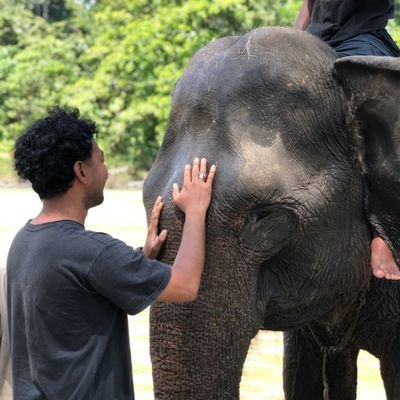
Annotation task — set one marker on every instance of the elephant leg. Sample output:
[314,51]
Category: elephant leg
[302,367]
[304,377]
[341,374]
[390,371]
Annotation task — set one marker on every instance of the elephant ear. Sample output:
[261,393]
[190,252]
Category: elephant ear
[372,85]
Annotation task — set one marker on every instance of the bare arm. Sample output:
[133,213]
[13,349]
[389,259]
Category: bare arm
[193,199]
[303,19]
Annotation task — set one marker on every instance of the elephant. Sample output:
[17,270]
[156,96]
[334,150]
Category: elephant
[307,148]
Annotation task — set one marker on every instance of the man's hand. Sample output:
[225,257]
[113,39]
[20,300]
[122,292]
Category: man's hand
[193,199]
[195,195]
[154,241]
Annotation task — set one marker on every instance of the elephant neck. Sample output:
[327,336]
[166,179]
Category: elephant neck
[326,339]
[346,333]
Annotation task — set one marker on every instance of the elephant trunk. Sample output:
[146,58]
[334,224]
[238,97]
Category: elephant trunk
[198,349]
[189,362]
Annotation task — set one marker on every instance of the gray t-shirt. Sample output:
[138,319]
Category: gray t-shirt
[69,292]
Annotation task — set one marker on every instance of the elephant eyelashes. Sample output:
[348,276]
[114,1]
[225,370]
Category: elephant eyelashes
[268,229]
[261,214]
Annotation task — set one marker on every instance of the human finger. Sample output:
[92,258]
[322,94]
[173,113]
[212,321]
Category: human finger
[163,236]
[195,169]
[203,170]
[155,214]
[159,240]
[175,191]
[154,243]
[187,174]
[211,174]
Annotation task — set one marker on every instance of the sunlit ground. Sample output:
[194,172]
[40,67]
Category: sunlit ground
[122,215]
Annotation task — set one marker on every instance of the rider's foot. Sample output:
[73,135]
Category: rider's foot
[382,261]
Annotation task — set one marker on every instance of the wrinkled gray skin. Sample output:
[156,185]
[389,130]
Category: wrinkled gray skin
[288,228]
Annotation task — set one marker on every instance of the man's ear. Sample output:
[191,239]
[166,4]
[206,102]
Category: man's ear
[79,170]
[372,86]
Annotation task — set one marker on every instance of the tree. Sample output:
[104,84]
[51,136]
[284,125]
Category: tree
[50,10]
[38,61]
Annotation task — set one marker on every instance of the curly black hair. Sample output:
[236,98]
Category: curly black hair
[46,152]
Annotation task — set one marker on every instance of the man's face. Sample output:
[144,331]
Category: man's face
[99,175]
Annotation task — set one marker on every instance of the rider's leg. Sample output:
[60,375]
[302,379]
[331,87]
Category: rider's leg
[382,261]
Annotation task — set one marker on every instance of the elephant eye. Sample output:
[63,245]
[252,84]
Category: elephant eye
[259,214]
[269,228]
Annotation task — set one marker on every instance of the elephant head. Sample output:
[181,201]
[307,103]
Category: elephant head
[287,234]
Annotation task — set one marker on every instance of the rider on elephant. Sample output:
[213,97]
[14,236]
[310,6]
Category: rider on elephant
[352,29]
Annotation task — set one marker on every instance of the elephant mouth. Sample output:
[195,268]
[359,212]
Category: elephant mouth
[280,306]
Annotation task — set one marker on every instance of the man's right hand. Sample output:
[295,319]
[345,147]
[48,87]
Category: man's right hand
[195,195]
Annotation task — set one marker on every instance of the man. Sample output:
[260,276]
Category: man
[351,27]
[355,27]
[69,289]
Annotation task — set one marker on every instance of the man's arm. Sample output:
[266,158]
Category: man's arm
[193,199]
[303,19]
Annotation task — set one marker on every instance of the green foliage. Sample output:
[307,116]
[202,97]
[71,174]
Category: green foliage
[397,11]
[394,25]
[34,69]
[116,60]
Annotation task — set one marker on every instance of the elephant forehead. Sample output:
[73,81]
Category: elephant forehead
[272,174]
[255,99]
[268,163]
[264,59]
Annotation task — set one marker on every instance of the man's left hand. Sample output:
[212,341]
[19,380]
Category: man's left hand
[154,241]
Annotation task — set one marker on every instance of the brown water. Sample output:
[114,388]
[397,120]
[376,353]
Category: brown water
[122,215]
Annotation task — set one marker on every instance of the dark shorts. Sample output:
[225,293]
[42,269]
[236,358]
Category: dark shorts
[378,43]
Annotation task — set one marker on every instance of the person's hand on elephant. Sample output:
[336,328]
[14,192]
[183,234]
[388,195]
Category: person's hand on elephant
[195,194]
[155,240]
[193,199]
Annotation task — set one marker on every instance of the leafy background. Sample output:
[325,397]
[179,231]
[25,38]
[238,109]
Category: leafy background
[116,60]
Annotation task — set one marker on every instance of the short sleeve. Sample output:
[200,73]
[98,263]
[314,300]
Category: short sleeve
[127,278]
